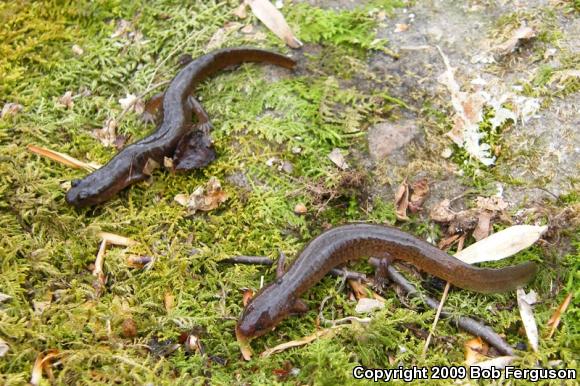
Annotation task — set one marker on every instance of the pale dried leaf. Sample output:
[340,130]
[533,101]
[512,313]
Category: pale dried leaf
[77,50]
[494,203]
[248,29]
[531,297]
[3,347]
[128,102]
[555,318]
[338,159]
[528,319]
[62,158]
[497,362]
[242,10]
[168,163]
[366,305]
[274,20]
[108,134]
[10,109]
[4,297]
[502,244]
[220,36]
[401,27]
[442,212]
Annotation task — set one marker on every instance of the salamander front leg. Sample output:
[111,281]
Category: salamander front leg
[381,276]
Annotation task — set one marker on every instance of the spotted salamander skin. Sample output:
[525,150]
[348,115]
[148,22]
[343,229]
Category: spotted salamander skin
[126,168]
[350,242]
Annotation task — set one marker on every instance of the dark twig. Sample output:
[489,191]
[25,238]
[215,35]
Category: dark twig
[468,324]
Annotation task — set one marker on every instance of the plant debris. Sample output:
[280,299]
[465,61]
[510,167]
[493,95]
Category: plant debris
[204,198]
[554,320]
[528,319]
[475,350]
[274,20]
[10,109]
[107,135]
[338,159]
[64,159]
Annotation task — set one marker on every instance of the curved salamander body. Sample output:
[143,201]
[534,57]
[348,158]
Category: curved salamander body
[175,135]
[349,242]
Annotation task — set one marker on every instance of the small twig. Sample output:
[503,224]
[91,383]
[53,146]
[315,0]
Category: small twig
[467,324]
[437,315]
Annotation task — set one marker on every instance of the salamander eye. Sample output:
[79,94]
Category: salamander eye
[74,183]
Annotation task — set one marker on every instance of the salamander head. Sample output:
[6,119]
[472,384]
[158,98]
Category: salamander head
[263,313]
[87,192]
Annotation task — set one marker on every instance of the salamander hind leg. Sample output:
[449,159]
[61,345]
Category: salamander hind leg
[194,151]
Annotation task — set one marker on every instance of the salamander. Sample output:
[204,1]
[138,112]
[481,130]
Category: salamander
[176,136]
[339,245]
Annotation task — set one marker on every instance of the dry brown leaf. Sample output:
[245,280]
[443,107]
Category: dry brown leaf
[338,159]
[509,46]
[300,208]
[419,191]
[528,320]
[402,201]
[66,100]
[483,228]
[41,364]
[555,318]
[220,36]
[150,166]
[204,199]
[475,350]
[493,203]
[10,109]
[447,242]
[242,10]
[302,341]
[63,158]
[274,20]
[442,212]
[108,134]
[362,291]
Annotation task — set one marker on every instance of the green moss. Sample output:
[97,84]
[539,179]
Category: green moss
[47,247]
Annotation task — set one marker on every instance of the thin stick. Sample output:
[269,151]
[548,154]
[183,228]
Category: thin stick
[437,315]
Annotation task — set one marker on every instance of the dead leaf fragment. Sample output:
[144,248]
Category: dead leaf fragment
[509,46]
[4,297]
[483,227]
[248,29]
[150,166]
[338,159]
[62,158]
[77,50]
[108,134]
[402,201]
[132,102]
[248,295]
[66,100]
[204,199]
[41,364]
[419,192]
[401,27]
[10,109]
[136,261]
[4,348]
[300,208]
[528,319]
[114,239]
[475,350]
[442,212]
[242,10]
[129,328]
[220,36]
[168,301]
[274,20]
[555,318]
[366,305]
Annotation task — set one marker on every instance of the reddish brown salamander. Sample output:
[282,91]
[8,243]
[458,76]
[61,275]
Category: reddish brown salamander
[176,136]
[350,242]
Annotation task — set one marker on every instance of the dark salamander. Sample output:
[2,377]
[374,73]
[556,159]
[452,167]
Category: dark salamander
[176,136]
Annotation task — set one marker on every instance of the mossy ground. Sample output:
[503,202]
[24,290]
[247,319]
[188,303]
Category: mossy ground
[47,246]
